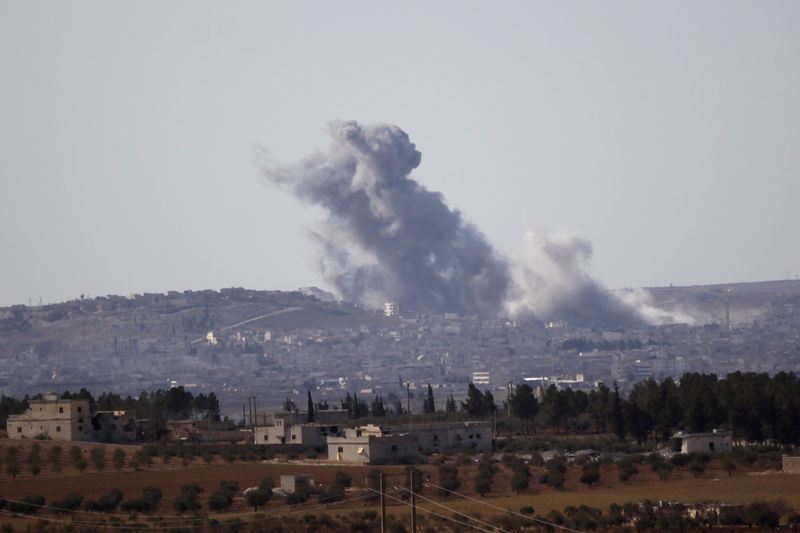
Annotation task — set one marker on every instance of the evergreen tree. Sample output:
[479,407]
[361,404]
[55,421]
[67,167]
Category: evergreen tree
[428,406]
[310,408]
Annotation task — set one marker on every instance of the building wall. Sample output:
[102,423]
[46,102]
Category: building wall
[791,465]
[443,436]
[54,419]
[371,449]
[706,442]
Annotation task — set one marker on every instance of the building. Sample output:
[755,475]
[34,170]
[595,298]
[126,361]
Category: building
[391,309]
[114,426]
[289,483]
[711,442]
[370,445]
[54,419]
[301,434]
[451,435]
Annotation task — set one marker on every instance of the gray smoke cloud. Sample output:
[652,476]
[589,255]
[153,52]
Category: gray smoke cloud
[388,238]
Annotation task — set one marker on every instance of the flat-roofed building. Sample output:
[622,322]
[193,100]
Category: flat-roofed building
[370,445]
[52,418]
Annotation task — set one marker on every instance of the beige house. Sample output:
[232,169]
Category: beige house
[52,418]
[370,445]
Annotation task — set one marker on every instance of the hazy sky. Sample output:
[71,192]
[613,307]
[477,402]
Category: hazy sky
[666,133]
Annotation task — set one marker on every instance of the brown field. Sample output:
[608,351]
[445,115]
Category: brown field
[713,485]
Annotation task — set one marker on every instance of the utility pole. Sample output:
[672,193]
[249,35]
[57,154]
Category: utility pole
[413,502]
[383,506]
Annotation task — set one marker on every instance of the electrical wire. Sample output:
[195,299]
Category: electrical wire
[509,511]
[418,495]
[423,509]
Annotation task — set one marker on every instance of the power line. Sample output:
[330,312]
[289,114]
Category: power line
[418,495]
[509,511]
[467,524]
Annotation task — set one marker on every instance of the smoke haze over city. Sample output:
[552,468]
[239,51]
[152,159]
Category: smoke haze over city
[388,238]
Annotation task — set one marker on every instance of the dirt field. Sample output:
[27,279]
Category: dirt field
[713,485]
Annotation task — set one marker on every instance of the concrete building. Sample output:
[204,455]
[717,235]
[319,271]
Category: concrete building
[710,442]
[370,445]
[114,426]
[451,435]
[289,483]
[52,418]
[300,434]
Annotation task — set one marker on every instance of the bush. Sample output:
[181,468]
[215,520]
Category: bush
[343,478]
[27,505]
[187,499]
[145,503]
[106,503]
[70,502]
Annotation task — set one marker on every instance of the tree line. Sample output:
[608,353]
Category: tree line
[756,407]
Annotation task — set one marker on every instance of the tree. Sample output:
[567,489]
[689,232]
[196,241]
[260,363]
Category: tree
[374,484]
[118,459]
[450,404]
[310,408]
[429,406]
[378,408]
[258,498]
[523,404]
[448,480]
[75,455]
[70,502]
[12,462]
[97,456]
[617,416]
[342,478]
[474,406]
[187,499]
[520,480]
[35,460]
[219,500]
[55,455]
[590,474]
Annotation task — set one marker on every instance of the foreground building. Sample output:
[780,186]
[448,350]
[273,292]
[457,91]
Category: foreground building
[370,445]
[53,419]
[710,442]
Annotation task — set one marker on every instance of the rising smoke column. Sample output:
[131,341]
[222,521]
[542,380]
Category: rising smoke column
[550,282]
[388,237]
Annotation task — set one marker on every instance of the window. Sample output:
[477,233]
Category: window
[340,449]
[435,438]
[80,421]
[80,428]
[58,429]
[711,446]
[266,437]
[294,437]
[19,429]
[478,436]
[80,409]
[60,409]
[394,449]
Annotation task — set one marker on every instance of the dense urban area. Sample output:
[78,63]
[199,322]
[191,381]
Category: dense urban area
[276,345]
[291,411]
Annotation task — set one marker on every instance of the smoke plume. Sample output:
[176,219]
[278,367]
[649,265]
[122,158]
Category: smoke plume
[388,238]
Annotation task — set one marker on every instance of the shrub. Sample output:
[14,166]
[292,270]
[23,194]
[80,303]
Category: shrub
[70,502]
[105,503]
[27,505]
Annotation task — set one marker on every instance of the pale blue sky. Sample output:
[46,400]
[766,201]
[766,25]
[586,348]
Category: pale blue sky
[666,133]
